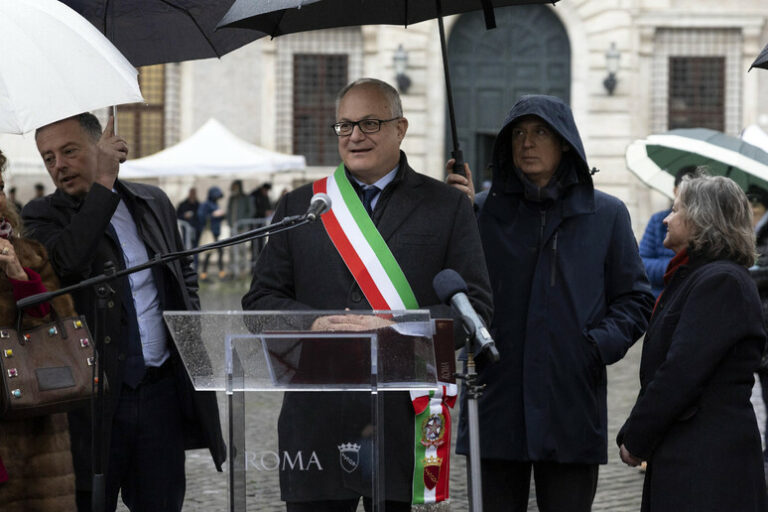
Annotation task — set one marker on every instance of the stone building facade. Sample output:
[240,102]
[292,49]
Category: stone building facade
[276,92]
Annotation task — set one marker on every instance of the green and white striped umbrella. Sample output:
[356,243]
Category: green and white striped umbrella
[656,159]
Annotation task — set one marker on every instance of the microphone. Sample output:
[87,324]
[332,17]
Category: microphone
[451,289]
[319,204]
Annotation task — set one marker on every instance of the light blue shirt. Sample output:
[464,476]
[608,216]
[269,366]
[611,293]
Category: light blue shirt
[146,299]
[380,184]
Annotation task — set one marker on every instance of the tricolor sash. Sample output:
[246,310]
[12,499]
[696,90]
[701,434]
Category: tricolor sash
[384,285]
[361,246]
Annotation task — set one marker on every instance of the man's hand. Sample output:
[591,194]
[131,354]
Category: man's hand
[459,181]
[628,458]
[349,322]
[112,151]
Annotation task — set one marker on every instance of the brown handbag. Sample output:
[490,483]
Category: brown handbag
[46,369]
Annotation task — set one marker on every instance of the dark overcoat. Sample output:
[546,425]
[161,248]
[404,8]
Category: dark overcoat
[693,421]
[75,234]
[570,297]
[428,226]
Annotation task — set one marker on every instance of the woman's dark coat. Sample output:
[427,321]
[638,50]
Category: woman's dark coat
[570,296]
[693,421]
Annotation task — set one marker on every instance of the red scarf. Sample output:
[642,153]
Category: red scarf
[681,258]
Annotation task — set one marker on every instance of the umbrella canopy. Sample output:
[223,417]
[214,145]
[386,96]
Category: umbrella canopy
[656,159]
[279,17]
[55,65]
[211,151]
[159,31]
[754,135]
[762,60]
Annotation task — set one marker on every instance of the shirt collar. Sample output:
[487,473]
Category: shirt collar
[382,183]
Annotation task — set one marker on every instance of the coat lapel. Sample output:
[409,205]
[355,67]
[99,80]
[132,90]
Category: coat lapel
[400,205]
[147,217]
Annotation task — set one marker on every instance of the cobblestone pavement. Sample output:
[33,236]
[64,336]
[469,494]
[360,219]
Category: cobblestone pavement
[619,488]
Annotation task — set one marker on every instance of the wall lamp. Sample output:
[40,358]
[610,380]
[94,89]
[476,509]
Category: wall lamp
[612,57]
[400,60]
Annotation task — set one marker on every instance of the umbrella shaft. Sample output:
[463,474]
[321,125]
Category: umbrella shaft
[446,71]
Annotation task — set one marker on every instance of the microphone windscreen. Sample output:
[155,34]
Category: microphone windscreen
[448,283]
[318,205]
[324,198]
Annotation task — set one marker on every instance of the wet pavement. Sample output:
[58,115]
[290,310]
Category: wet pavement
[619,488]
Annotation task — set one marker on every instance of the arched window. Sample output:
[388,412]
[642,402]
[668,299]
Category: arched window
[527,53]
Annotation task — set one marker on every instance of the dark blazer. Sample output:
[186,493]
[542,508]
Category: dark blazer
[75,234]
[428,226]
[693,421]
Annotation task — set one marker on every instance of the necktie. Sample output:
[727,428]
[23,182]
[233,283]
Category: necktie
[369,193]
[134,356]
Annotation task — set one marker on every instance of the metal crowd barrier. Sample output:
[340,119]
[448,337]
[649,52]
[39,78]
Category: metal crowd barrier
[187,233]
[242,257]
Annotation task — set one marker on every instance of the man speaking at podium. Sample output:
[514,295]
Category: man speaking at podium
[425,226]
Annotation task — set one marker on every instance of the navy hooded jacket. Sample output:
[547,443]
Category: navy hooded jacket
[206,209]
[570,296]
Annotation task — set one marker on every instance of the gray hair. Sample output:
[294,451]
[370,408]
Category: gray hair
[87,121]
[386,90]
[720,218]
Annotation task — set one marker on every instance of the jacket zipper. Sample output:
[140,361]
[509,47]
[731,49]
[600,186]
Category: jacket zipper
[553,267]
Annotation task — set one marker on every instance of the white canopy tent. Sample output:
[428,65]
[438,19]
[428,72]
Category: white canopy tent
[211,151]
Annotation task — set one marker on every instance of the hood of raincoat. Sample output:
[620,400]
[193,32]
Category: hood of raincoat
[215,193]
[573,166]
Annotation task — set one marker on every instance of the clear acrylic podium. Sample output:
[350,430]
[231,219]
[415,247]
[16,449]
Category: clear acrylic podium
[332,425]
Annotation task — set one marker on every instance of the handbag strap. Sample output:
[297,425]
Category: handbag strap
[55,318]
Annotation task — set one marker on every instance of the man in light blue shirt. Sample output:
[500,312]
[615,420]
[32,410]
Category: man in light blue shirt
[152,413]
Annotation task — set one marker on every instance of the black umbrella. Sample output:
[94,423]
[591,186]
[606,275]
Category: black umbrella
[762,60]
[159,31]
[279,17]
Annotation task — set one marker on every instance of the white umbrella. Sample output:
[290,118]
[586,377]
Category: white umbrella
[656,159]
[55,64]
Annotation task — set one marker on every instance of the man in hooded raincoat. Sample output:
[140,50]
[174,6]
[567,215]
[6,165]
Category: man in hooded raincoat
[570,297]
